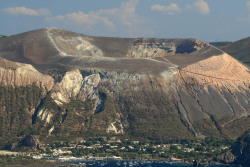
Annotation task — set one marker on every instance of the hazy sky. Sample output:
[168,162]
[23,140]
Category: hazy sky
[208,20]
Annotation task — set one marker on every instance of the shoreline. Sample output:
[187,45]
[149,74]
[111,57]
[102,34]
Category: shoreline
[52,163]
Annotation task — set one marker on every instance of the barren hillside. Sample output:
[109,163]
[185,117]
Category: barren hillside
[136,87]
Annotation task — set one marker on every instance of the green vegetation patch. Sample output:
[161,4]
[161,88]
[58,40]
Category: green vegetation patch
[17,105]
[208,127]
[237,127]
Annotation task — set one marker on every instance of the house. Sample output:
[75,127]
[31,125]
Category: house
[176,160]
[100,158]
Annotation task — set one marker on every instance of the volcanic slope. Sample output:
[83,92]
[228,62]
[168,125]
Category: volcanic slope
[136,87]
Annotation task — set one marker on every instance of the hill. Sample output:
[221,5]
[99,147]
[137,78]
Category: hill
[239,153]
[239,49]
[242,149]
[58,84]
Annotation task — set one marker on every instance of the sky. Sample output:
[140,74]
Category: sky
[207,20]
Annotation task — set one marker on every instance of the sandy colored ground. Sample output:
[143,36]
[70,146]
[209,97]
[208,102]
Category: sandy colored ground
[219,71]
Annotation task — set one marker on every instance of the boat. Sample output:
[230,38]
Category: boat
[130,163]
[118,163]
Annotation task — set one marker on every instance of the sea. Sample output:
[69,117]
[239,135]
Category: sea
[138,164]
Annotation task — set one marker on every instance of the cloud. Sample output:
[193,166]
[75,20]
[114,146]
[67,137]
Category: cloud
[89,19]
[202,7]
[246,18]
[127,20]
[188,7]
[22,10]
[129,6]
[173,7]
[80,18]
[125,14]
[248,5]
[123,19]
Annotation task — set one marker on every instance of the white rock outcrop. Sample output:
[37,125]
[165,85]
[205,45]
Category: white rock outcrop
[112,129]
[51,130]
[45,115]
[74,86]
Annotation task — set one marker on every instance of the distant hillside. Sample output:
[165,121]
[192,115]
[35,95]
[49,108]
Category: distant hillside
[2,36]
[220,44]
[239,49]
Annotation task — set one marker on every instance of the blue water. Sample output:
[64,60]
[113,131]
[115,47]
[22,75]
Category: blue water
[139,164]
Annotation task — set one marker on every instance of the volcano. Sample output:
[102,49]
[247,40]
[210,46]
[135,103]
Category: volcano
[59,83]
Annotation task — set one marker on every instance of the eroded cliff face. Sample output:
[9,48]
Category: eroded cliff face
[148,88]
[18,74]
[74,86]
[145,48]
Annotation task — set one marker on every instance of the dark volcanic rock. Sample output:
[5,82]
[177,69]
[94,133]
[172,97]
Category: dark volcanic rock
[197,163]
[227,157]
[239,154]
[242,150]
[30,141]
